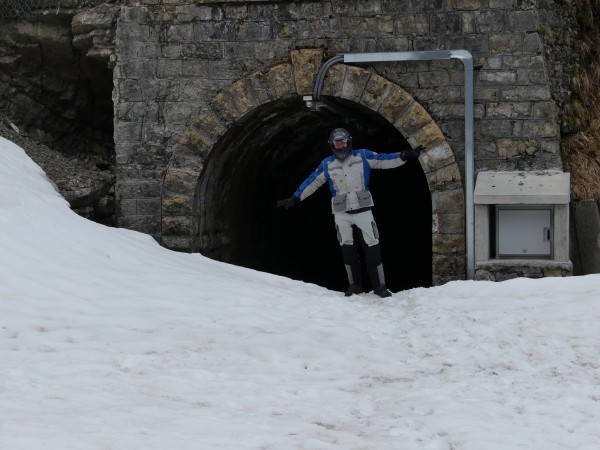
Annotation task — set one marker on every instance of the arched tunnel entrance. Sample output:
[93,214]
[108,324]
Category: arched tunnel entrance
[266,156]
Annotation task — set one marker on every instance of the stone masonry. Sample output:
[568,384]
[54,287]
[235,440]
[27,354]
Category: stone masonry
[187,71]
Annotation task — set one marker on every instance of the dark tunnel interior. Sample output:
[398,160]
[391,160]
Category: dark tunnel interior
[265,158]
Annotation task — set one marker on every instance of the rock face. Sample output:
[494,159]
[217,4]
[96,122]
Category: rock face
[81,181]
[94,31]
[56,76]
[56,96]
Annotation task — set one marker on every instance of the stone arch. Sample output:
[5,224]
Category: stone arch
[181,196]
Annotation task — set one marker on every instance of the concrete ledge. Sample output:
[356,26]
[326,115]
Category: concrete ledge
[500,270]
[548,187]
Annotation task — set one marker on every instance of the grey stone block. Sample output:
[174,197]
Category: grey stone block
[587,223]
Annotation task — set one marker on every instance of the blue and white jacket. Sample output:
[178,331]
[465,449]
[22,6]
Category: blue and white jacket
[348,179]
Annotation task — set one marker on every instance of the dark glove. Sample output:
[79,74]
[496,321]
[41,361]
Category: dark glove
[288,202]
[413,153]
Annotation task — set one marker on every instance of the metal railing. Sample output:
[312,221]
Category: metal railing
[23,8]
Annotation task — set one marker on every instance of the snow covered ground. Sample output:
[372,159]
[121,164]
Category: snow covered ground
[110,342]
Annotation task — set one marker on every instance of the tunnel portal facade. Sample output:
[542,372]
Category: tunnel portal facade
[210,127]
[204,170]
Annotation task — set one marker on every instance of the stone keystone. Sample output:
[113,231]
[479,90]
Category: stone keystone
[306,63]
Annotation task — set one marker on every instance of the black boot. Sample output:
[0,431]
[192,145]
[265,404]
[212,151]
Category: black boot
[382,291]
[352,265]
[353,289]
[375,269]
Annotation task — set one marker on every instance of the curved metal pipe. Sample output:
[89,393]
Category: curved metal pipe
[467,59]
[321,76]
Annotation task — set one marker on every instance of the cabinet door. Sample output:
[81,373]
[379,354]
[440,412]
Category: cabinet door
[524,233]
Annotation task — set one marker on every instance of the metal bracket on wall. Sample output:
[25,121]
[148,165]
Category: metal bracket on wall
[316,103]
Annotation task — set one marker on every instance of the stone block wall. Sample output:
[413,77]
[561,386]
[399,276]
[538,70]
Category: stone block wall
[175,57]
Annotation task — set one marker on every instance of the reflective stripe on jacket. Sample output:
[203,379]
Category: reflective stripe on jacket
[348,179]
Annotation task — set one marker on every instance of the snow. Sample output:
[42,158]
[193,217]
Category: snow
[110,342]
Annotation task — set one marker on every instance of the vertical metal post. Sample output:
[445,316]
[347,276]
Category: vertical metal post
[467,60]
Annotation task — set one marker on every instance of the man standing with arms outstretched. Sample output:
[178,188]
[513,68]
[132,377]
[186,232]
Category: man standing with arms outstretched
[348,173]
